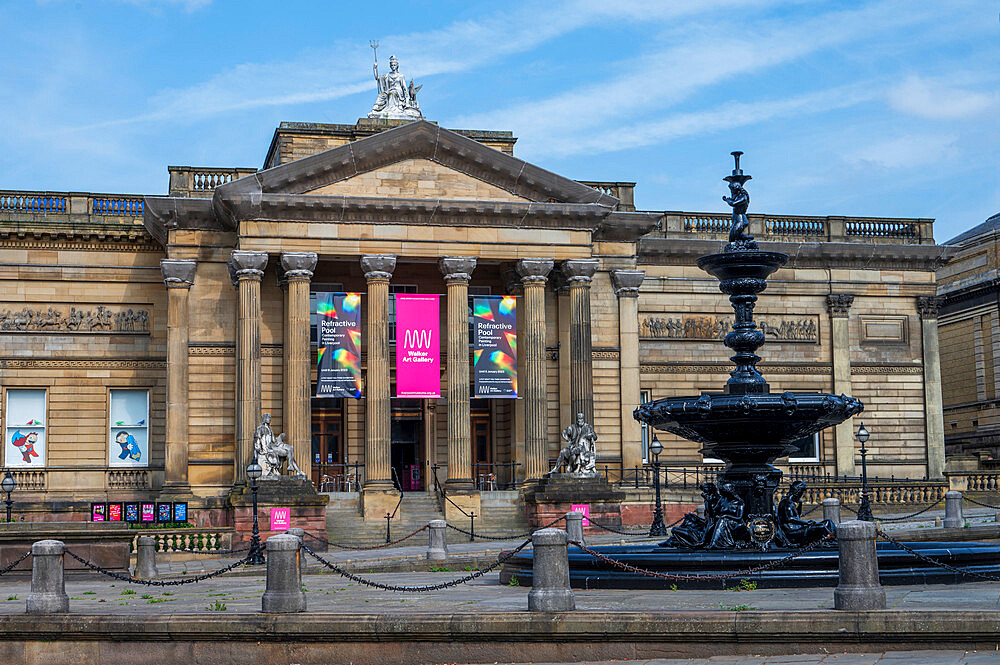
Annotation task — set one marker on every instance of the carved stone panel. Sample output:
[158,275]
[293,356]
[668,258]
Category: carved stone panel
[704,327]
[883,329]
[73,319]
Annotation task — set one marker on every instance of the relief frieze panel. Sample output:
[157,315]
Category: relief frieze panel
[73,319]
[707,327]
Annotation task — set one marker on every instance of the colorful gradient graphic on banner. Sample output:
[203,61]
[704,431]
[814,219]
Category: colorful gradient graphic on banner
[418,346]
[494,342]
[338,339]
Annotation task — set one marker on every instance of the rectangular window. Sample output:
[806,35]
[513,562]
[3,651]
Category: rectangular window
[807,449]
[24,428]
[128,441]
[643,398]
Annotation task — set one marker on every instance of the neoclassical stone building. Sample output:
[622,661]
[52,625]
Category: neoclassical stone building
[144,337]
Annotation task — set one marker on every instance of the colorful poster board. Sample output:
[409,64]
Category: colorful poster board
[148,512]
[583,509]
[281,519]
[418,346]
[180,511]
[494,344]
[98,512]
[164,512]
[131,512]
[114,512]
[338,339]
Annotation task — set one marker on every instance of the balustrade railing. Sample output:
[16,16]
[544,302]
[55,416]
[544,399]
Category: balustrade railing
[127,479]
[495,476]
[881,229]
[974,481]
[202,181]
[180,540]
[338,477]
[121,206]
[32,479]
[41,202]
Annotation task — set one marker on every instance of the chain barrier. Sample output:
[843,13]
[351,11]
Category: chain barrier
[910,516]
[622,532]
[935,562]
[984,505]
[696,578]
[812,510]
[135,580]
[191,551]
[14,563]
[417,589]
[511,537]
[360,548]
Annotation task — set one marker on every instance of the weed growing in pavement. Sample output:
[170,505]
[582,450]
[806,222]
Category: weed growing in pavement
[128,592]
[468,569]
[146,596]
[673,587]
[439,569]
[744,585]
[514,581]
[735,608]
[89,593]
[217,607]
[12,597]
[159,600]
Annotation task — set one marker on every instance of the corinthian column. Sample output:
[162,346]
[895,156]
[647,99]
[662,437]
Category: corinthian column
[178,275]
[626,284]
[579,273]
[533,274]
[247,268]
[457,271]
[927,307]
[378,455]
[298,267]
[839,305]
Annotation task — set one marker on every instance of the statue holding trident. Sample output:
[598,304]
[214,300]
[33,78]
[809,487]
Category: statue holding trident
[396,100]
[740,201]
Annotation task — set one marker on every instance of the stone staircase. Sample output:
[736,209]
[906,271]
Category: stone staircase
[344,525]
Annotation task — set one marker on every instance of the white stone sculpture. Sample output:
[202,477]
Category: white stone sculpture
[273,453]
[396,100]
[579,455]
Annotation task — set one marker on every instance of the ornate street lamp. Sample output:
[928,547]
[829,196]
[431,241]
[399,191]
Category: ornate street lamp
[865,507]
[8,485]
[657,528]
[256,553]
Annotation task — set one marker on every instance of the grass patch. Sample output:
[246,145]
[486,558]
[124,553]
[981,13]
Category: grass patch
[128,592]
[514,581]
[151,601]
[440,569]
[146,596]
[13,596]
[217,607]
[744,585]
[736,608]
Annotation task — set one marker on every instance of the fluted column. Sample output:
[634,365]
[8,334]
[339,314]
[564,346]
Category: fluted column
[378,453]
[579,273]
[178,275]
[839,306]
[533,274]
[626,284]
[298,267]
[247,268]
[927,307]
[457,271]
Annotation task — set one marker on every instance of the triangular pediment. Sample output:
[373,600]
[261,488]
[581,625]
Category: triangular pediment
[441,155]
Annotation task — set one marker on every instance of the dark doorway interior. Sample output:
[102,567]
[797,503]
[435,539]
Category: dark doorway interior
[407,434]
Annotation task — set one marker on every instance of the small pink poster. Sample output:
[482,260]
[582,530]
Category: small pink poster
[418,346]
[582,508]
[281,519]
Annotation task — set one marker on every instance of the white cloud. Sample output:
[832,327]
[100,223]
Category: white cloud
[905,151]
[936,100]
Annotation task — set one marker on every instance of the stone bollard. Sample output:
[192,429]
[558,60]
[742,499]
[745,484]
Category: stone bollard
[859,587]
[574,526]
[145,558]
[283,593]
[831,510]
[550,590]
[301,535]
[953,510]
[437,540]
[48,581]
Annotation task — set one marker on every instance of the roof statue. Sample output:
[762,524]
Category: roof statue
[396,100]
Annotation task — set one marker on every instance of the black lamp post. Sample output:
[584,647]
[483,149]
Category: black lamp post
[256,553]
[657,528]
[8,485]
[865,507]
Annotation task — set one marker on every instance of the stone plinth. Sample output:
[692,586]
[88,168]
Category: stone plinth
[555,495]
[307,508]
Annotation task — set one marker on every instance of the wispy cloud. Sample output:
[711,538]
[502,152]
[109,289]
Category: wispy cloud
[907,151]
[936,100]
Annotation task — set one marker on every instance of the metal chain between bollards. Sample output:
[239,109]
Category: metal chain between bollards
[11,566]
[417,589]
[910,516]
[935,562]
[695,578]
[984,505]
[622,532]
[517,536]
[135,580]
[359,548]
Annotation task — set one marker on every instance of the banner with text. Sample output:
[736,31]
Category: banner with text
[494,343]
[418,346]
[338,340]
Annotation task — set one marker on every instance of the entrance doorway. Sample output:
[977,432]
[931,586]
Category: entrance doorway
[407,435]
[329,472]
[483,471]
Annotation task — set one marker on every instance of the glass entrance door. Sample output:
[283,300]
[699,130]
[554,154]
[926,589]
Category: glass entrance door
[407,434]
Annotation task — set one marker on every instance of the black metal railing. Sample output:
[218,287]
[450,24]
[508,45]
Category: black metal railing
[346,477]
[495,475]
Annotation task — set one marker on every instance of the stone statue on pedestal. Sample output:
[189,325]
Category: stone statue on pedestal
[273,453]
[579,455]
[396,100]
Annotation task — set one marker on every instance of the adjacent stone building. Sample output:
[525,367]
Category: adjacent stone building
[144,337]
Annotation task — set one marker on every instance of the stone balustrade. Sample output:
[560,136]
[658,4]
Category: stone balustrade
[200,181]
[973,481]
[121,479]
[34,480]
[179,540]
[623,191]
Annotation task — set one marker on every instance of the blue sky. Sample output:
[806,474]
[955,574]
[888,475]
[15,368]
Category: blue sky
[882,108]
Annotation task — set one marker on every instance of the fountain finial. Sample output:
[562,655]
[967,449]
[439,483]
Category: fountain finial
[739,200]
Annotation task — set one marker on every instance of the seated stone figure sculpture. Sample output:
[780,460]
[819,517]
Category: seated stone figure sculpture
[793,531]
[273,453]
[728,528]
[579,455]
[691,532]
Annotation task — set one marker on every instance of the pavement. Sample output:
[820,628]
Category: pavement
[882,658]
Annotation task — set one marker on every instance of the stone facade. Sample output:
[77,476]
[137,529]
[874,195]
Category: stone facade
[611,310]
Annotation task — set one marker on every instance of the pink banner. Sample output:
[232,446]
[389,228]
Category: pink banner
[418,346]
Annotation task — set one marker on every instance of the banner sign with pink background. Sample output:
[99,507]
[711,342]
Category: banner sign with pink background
[418,346]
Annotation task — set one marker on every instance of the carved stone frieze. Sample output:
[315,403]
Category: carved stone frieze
[709,327]
[18,318]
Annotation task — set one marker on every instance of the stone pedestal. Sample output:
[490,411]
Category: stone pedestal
[555,495]
[307,509]
[468,500]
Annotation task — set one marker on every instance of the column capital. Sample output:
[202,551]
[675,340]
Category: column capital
[534,270]
[246,264]
[839,304]
[298,265]
[579,271]
[178,273]
[627,282]
[457,268]
[927,306]
[378,266]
